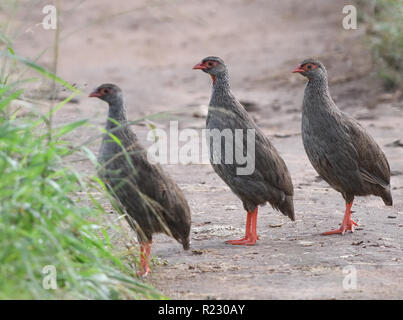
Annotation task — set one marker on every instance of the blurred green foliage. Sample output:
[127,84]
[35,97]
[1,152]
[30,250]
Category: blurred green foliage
[386,41]
[48,212]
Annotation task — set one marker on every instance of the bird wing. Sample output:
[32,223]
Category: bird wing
[373,165]
[268,163]
[161,190]
[332,153]
[348,155]
[270,172]
[271,166]
[142,186]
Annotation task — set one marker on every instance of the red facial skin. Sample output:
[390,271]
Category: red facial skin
[306,67]
[206,65]
[100,93]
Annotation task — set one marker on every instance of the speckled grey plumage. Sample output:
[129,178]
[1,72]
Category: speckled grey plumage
[148,195]
[270,181]
[339,148]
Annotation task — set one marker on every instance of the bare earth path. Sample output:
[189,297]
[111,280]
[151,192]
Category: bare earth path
[150,52]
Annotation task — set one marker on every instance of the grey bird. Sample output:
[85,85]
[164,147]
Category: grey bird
[153,201]
[270,180]
[339,148]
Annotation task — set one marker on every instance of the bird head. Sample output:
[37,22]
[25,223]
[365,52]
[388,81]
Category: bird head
[214,66]
[312,69]
[108,92]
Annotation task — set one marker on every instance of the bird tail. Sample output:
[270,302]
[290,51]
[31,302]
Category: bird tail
[287,207]
[387,196]
[186,243]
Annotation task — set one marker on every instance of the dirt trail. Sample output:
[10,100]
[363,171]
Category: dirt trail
[150,52]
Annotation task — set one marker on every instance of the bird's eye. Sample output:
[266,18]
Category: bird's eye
[309,66]
[209,64]
[105,91]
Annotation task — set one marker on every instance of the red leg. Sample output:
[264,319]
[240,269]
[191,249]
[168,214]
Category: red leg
[145,249]
[250,230]
[247,230]
[347,224]
[254,235]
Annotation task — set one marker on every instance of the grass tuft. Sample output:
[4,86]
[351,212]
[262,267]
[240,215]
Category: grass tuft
[47,214]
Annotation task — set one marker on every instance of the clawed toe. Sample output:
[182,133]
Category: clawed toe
[243,241]
[144,272]
[342,230]
[347,224]
[239,241]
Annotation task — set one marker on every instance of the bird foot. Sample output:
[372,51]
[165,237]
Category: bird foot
[349,226]
[244,241]
[145,249]
[250,231]
[144,272]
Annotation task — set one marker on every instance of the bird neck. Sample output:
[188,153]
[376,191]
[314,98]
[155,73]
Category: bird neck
[317,96]
[318,85]
[221,89]
[117,115]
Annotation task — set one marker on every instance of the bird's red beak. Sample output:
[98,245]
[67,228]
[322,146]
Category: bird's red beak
[200,66]
[95,94]
[298,69]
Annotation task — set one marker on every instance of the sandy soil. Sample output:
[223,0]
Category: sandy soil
[149,52]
